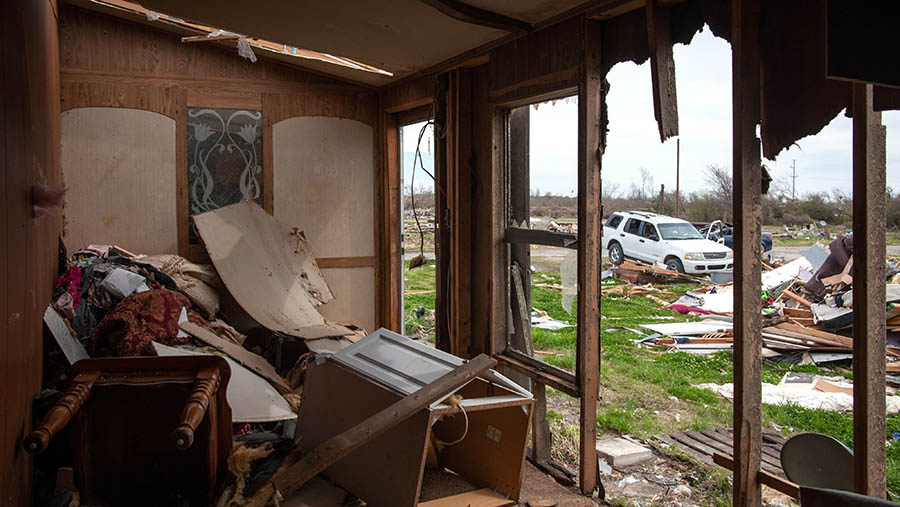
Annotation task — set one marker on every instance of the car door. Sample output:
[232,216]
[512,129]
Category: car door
[650,242]
[629,236]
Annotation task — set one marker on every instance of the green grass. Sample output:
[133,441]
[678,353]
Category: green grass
[891,238]
[646,392]
[419,292]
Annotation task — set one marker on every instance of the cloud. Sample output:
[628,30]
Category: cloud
[703,73]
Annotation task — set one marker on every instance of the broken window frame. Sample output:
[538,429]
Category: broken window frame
[400,120]
[518,352]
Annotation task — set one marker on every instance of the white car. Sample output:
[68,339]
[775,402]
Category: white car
[659,238]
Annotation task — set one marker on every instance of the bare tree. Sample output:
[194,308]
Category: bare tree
[646,188]
[719,180]
[611,191]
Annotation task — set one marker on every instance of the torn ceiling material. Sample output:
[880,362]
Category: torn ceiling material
[269,269]
[214,34]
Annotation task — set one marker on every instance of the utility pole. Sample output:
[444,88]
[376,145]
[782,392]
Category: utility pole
[677,174]
[794,178]
[662,199]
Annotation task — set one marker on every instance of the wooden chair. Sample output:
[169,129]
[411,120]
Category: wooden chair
[145,430]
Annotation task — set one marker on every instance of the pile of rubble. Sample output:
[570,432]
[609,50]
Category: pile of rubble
[807,309]
[230,381]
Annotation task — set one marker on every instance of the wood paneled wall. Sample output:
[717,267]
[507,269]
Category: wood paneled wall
[110,62]
[29,120]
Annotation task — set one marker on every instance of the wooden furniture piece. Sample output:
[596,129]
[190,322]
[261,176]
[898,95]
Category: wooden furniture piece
[145,430]
[485,446]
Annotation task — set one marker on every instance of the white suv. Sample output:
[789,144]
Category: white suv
[674,242]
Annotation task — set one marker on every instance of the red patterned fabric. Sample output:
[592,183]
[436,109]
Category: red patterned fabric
[70,282]
[128,329]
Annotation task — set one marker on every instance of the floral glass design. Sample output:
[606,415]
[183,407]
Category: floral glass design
[224,160]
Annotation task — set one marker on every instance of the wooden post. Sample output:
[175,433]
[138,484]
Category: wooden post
[520,254]
[442,161]
[662,199]
[747,261]
[869,295]
[590,102]
[461,213]
[391,251]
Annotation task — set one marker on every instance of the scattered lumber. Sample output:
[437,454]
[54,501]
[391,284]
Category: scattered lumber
[640,273]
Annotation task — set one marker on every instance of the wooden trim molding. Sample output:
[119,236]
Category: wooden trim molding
[347,262]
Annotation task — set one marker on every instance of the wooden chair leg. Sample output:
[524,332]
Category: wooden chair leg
[61,413]
[205,387]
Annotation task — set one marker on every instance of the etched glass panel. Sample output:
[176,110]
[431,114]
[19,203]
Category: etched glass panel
[224,160]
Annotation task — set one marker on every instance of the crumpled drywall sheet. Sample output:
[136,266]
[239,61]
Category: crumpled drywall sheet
[269,269]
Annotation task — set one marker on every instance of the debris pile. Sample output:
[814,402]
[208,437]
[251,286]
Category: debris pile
[229,377]
[807,309]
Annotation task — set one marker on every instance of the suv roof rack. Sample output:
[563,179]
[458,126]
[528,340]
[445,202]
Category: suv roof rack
[645,214]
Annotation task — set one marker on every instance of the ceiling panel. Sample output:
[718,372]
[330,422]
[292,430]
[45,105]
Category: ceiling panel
[399,36]
[530,11]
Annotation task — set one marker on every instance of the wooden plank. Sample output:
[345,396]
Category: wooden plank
[747,210]
[591,102]
[521,314]
[803,301]
[461,214]
[812,334]
[700,446]
[727,439]
[539,371]
[243,356]
[393,252]
[519,171]
[217,98]
[479,498]
[476,16]
[773,481]
[442,248]
[347,262]
[519,236]
[209,38]
[541,437]
[869,161]
[499,252]
[335,448]
[662,70]
[541,63]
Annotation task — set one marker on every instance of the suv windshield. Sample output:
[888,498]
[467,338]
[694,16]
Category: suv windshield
[678,231]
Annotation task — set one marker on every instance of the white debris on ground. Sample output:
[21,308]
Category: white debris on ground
[807,391]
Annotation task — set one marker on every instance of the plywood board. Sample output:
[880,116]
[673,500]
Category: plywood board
[354,296]
[119,167]
[243,356]
[334,400]
[324,178]
[251,398]
[478,498]
[269,270]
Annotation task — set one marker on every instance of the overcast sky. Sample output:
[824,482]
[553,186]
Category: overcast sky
[703,73]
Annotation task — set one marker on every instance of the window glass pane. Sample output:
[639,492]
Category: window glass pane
[633,226]
[224,150]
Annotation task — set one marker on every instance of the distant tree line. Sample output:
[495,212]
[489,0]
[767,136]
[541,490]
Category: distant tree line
[712,203]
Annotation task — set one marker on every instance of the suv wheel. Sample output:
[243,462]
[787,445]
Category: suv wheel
[616,255]
[674,264]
